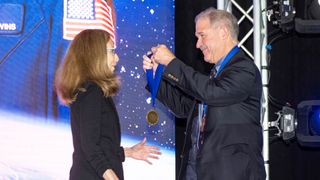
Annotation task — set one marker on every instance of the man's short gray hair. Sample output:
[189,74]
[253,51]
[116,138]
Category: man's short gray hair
[218,17]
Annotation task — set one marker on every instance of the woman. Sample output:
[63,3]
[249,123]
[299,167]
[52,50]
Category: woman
[86,81]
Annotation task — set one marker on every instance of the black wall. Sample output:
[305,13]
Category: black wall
[295,76]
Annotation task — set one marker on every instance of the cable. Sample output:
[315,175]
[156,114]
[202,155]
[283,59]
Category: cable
[274,32]
[276,102]
[272,139]
[269,7]
[276,38]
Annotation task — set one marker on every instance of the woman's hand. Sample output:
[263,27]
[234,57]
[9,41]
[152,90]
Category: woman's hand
[142,152]
[110,175]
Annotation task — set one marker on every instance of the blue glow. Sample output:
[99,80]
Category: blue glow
[314,121]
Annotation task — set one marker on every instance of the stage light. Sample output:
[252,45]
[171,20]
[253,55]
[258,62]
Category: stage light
[313,9]
[308,119]
[288,123]
[303,123]
[310,23]
[285,123]
[314,121]
[281,13]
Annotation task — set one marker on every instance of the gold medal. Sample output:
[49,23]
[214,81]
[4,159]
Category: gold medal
[152,117]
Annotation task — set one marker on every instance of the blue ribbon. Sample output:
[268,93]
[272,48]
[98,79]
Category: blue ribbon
[154,82]
[225,60]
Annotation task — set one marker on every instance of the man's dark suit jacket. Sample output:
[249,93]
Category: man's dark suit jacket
[96,135]
[232,148]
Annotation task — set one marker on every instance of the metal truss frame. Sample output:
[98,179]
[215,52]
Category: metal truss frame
[259,55]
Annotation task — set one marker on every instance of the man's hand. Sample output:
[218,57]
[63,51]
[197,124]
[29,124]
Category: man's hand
[149,63]
[162,54]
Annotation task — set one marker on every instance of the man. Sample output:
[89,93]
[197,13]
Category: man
[223,134]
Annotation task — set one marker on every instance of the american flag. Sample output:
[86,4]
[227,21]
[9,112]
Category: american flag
[86,14]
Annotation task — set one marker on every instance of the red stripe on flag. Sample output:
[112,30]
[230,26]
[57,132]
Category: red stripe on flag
[103,20]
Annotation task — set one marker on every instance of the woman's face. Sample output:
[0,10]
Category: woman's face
[112,56]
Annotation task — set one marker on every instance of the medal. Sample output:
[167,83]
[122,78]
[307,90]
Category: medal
[153,82]
[152,117]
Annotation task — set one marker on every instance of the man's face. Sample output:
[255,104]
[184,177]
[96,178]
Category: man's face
[209,40]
